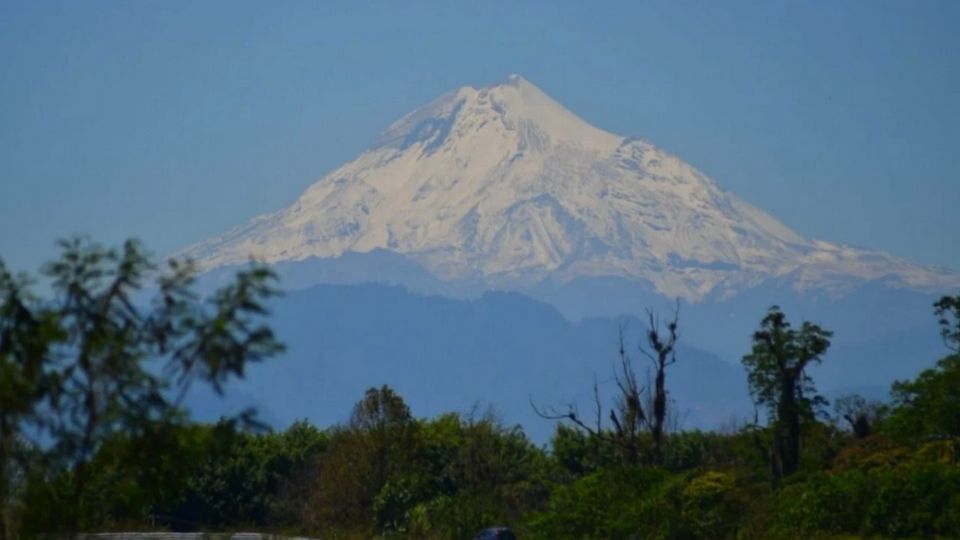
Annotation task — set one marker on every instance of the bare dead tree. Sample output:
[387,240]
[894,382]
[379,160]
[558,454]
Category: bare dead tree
[631,418]
[570,412]
[661,350]
[627,417]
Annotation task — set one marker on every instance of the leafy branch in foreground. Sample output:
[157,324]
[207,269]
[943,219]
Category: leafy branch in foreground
[99,357]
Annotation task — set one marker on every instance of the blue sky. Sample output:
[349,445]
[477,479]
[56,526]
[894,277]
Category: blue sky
[173,121]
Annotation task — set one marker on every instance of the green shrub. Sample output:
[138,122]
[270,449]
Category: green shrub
[709,509]
[607,504]
[915,501]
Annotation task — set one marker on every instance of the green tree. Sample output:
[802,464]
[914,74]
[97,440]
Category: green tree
[242,477]
[388,428]
[929,406]
[776,372]
[100,356]
[376,447]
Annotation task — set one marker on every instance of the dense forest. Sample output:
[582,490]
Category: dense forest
[93,435]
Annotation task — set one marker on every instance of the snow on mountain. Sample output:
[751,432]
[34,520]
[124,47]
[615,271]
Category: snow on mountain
[504,186]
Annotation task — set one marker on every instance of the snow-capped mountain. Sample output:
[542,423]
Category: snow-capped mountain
[503,186]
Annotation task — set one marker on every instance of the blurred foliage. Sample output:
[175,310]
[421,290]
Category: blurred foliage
[96,371]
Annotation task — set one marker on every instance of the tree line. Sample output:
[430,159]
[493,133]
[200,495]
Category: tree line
[94,436]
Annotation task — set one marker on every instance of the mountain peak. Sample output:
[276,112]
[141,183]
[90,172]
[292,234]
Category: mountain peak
[504,186]
[515,109]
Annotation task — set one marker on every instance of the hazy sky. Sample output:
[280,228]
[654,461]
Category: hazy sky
[173,121]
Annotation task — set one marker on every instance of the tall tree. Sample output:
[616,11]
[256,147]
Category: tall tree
[776,372]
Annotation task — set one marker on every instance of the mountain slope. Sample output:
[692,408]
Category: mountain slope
[504,187]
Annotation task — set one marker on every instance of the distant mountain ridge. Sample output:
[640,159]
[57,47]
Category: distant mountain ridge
[502,187]
[506,350]
[501,350]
